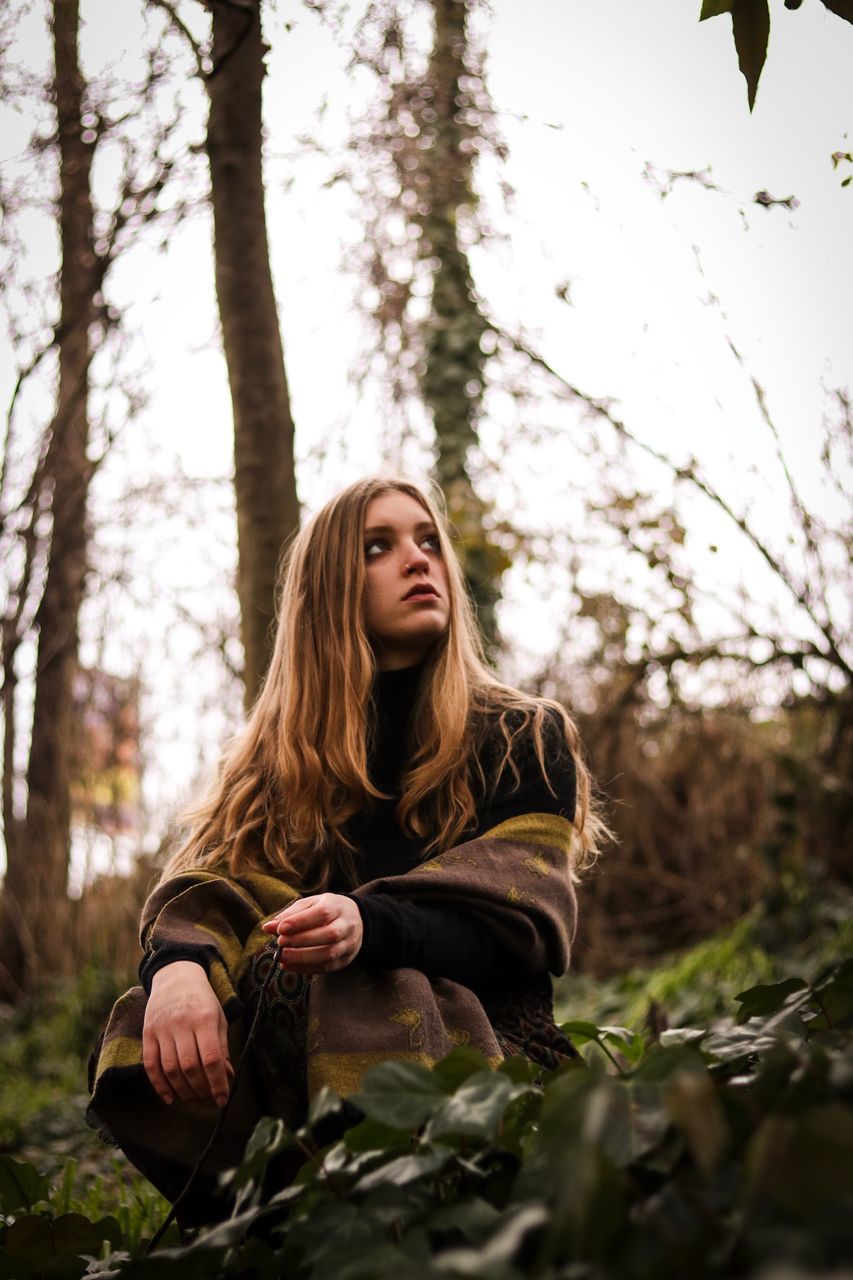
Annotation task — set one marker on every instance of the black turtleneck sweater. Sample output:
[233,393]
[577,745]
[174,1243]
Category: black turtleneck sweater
[439,941]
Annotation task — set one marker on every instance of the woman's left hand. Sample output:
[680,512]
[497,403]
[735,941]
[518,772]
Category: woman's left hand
[318,933]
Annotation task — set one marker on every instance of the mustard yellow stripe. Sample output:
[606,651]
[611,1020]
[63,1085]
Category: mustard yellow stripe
[344,1072]
[123,1051]
[534,828]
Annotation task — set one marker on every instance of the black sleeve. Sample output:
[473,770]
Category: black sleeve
[157,960]
[444,942]
[439,941]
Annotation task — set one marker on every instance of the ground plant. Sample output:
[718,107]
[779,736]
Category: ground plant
[722,1150]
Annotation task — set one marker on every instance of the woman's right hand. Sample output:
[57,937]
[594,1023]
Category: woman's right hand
[185,1037]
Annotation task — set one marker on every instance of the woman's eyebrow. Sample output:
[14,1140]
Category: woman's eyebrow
[389,528]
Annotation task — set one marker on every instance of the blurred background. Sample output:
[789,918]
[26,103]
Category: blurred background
[575,262]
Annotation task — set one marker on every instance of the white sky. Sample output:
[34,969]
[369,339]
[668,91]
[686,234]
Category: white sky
[590,93]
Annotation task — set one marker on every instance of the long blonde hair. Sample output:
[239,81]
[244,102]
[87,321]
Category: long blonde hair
[293,777]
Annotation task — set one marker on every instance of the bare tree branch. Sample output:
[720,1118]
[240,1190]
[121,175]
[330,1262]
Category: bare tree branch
[690,475]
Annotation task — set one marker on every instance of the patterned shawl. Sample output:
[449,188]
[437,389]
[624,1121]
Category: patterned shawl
[516,877]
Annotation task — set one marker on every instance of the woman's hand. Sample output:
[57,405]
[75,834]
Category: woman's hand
[185,1037]
[318,933]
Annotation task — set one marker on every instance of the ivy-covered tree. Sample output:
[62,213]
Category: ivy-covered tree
[415,168]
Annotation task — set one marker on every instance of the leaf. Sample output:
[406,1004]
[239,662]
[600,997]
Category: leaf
[767,998]
[492,1258]
[459,1064]
[663,1061]
[405,1169]
[751,27]
[37,1239]
[692,1102]
[804,1164]
[21,1185]
[581,1031]
[835,994]
[477,1107]
[844,8]
[712,8]
[400,1094]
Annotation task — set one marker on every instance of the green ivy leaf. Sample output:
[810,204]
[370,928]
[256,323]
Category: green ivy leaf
[406,1169]
[580,1031]
[767,998]
[33,1238]
[712,8]
[21,1185]
[835,995]
[751,27]
[459,1064]
[477,1107]
[400,1094]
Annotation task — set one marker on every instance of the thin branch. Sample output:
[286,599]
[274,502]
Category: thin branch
[23,374]
[690,475]
[178,23]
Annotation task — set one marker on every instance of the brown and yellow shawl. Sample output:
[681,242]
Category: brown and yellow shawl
[516,877]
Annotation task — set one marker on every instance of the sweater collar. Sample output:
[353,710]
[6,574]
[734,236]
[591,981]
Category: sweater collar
[395,691]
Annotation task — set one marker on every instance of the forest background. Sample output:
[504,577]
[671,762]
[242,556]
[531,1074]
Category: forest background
[582,268]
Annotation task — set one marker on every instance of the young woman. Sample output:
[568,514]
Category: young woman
[404,825]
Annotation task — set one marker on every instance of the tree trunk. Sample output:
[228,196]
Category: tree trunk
[267,503]
[34,899]
[452,381]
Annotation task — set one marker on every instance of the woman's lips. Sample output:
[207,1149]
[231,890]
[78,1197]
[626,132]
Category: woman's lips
[422,593]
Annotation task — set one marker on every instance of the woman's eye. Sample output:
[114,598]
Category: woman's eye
[432,538]
[374,542]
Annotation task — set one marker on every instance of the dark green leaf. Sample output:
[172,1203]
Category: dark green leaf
[372,1135]
[459,1064]
[21,1185]
[406,1169]
[711,8]
[835,994]
[804,1163]
[493,1258]
[692,1102]
[770,998]
[751,26]
[666,1060]
[39,1239]
[580,1031]
[399,1094]
[477,1107]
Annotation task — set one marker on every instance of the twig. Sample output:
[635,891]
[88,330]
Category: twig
[179,24]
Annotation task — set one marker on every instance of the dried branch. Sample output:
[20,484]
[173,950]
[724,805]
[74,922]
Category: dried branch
[690,475]
[181,27]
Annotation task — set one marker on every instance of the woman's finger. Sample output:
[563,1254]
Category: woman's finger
[313,959]
[153,1067]
[327,936]
[172,1070]
[190,1068]
[213,1054]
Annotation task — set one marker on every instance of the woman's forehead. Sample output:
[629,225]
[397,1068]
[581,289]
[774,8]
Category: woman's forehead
[395,509]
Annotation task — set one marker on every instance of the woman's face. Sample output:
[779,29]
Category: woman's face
[406,605]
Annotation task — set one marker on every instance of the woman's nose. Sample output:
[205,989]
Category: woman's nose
[415,557]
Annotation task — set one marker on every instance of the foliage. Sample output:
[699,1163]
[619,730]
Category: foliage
[803,927]
[724,1150]
[751,31]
